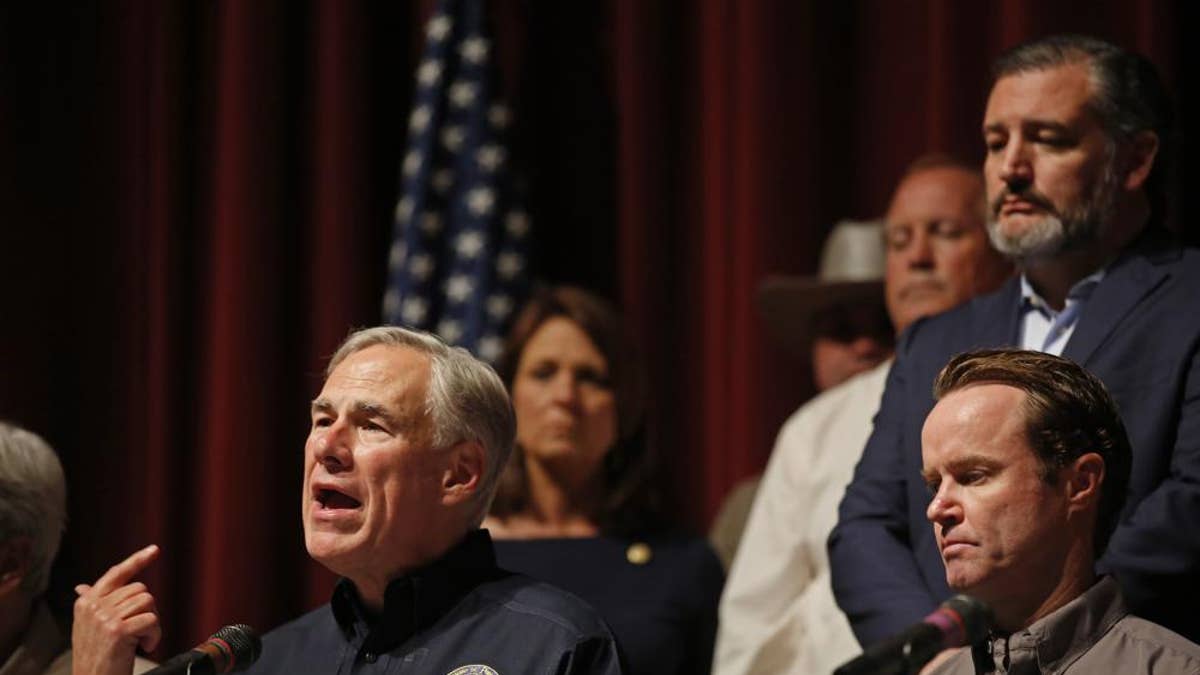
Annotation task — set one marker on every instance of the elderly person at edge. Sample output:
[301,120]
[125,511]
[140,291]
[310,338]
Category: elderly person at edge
[1027,464]
[33,515]
[575,506]
[407,441]
[837,320]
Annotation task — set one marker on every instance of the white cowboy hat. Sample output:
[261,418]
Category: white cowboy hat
[850,272]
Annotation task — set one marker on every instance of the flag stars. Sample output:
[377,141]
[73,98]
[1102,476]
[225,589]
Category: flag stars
[439,27]
[413,311]
[404,210]
[431,223]
[412,163]
[420,267]
[396,255]
[462,94]
[433,257]
[443,180]
[474,49]
[453,138]
[450,330]
[490,157]
[499,306]
[429,73]
[459,288]
[481,200]
[469,244]
[391,303]
[509,265]
[420,118]
[490,348]
[516,223]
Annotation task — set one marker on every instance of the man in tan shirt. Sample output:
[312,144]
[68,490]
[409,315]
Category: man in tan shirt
[1027,464]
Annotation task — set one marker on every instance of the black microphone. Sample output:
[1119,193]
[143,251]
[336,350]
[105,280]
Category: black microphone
[961,620]
[231,648]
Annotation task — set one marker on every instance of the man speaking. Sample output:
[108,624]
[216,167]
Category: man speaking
[407,441]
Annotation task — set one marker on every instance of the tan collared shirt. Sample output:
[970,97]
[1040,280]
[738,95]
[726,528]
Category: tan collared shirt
[1094,633]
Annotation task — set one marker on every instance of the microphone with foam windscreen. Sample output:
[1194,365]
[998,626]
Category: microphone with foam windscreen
[960,621]
[229,649]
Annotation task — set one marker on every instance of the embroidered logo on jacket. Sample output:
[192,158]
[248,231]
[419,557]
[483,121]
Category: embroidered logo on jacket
[474,669]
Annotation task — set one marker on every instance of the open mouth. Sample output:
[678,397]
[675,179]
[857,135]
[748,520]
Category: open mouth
[332,499]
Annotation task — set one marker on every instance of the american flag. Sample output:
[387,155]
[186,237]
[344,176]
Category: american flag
[458,265]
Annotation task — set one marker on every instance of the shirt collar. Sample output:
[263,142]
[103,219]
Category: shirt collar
[1062,636]
[418,599]
[1080,291]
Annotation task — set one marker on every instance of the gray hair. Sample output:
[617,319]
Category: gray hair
[33,500]
[465,399]
[1129,96]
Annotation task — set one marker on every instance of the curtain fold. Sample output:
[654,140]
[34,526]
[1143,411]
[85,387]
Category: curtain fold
[196,207]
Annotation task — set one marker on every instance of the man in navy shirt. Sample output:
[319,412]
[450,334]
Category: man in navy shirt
[407,441]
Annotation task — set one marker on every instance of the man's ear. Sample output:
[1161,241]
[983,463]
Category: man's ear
[463,474]
[1084,478]
[1139,159]
[16,555]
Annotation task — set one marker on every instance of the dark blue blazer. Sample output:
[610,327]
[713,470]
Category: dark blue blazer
[1140,334]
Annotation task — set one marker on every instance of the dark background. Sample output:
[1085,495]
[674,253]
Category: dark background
[196,200]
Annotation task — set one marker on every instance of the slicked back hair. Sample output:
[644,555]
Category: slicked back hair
[1068,413]
[1129,96]
[465,399]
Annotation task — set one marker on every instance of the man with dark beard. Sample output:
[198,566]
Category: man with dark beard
[1077,135]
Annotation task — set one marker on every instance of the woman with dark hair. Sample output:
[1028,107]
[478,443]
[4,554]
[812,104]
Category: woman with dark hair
[575,505]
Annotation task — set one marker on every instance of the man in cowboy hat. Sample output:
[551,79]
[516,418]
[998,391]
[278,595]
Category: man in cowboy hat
[1077,136]
[837,319]
[778,613]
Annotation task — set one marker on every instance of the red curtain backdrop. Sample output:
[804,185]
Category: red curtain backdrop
[196,198]
[747,129]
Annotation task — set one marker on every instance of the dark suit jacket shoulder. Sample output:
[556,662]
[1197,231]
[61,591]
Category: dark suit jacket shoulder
[1139,333]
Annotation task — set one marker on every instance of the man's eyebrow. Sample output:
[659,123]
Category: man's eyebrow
[369,409]
[972,461]
[1047,125]
[359,408]
[1032,124]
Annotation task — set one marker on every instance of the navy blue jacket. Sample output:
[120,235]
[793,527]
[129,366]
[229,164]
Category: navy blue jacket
[1139,333]
[459,615]
[663,610]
